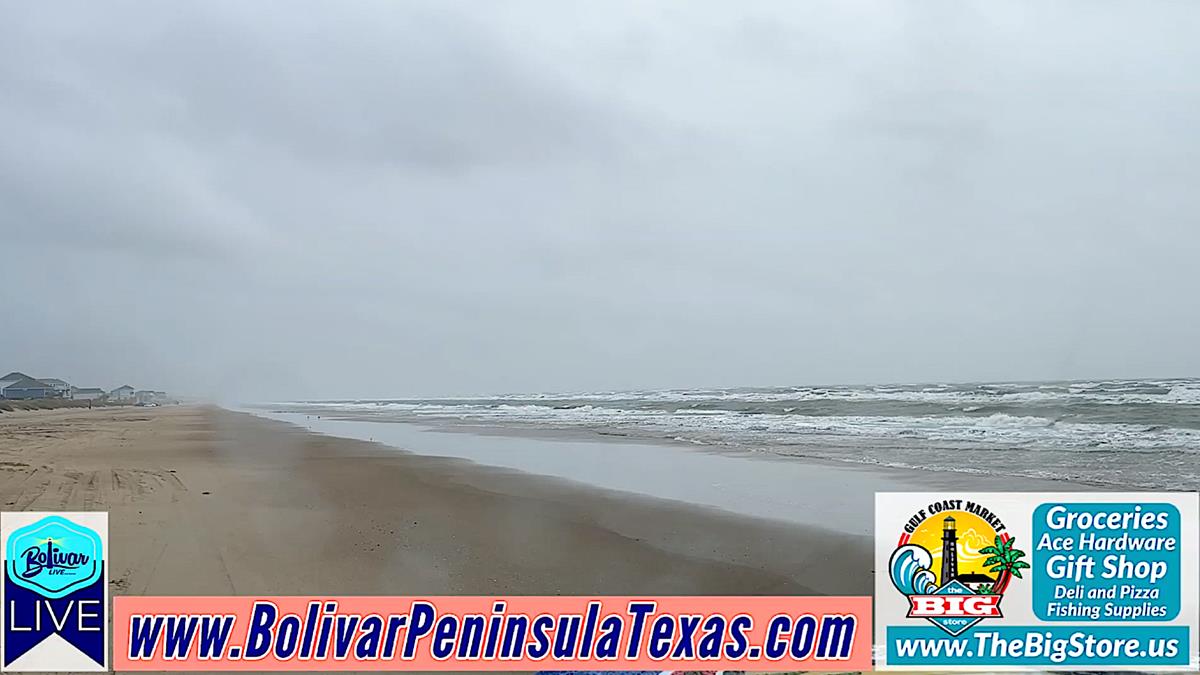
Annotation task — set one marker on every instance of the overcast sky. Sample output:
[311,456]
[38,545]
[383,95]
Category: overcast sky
[264,200]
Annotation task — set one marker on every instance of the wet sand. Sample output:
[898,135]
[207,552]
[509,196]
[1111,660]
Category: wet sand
[207,501]
[809,492]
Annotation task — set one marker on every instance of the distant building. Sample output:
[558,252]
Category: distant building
[143,397]
[25,388]
[61,388]
[13,377]
[87,393]
[122,394]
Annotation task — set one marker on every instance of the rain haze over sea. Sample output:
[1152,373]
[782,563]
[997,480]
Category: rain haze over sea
[1132,433]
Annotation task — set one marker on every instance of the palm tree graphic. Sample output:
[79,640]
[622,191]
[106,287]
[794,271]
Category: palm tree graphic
[1006,560]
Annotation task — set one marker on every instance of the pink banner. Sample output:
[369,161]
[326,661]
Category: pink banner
[491,633]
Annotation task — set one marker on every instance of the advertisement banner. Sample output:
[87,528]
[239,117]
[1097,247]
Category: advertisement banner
[1014,580]
[491,633]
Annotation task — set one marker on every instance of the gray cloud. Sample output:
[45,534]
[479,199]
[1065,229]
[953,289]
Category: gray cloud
[378,198]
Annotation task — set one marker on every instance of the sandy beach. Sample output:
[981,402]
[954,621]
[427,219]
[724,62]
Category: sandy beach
[208,501]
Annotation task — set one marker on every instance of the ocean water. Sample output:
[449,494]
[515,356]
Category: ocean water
[1128,433]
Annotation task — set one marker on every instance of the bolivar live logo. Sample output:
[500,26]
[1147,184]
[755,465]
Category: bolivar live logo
[55,591]
[975,556]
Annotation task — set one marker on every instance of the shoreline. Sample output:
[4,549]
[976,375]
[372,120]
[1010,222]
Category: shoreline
[1107,435]
[451,425]
[817,493]
[208,501]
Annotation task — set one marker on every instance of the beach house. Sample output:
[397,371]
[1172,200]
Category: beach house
[12,377]
[7,380]
[62,389]
[87,393]
[122,394]
[20,386]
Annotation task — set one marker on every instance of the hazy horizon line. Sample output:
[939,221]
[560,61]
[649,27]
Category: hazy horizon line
[729,388]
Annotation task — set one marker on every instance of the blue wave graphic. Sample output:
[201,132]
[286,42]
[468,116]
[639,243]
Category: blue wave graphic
[910,570]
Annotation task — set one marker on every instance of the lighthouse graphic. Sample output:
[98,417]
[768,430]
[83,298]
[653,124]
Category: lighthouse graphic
[948,586]
[949,551]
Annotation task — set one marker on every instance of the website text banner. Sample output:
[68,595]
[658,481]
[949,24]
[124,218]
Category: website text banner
[1024,580]
[491,633]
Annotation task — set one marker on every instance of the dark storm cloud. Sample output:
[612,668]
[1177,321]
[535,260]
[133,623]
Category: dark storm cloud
[381,198]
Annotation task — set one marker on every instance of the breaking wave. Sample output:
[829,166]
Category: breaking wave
[1143,433]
